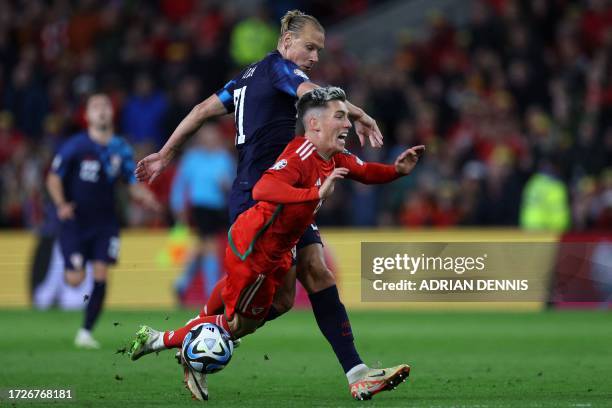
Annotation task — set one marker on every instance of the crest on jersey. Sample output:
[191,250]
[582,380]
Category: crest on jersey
[281,164]
[300,73]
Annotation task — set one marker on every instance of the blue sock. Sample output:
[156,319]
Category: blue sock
[183,281]
[94,307]
[334,324]
[210,266]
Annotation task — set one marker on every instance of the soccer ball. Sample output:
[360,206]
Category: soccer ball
[207,348]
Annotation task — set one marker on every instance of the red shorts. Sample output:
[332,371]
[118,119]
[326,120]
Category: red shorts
[251,283]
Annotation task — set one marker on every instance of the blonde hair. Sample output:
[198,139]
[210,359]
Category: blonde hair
[294,21]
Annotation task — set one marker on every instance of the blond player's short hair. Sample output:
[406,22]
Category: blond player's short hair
[294,21]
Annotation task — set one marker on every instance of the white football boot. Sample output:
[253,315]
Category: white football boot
[195,381]
[85,340]
[376,380]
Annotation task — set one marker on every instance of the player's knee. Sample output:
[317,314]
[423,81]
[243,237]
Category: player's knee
[284,301]
[284,296]
[100,276]
[74,277]
[100,271]
[243,331]
[315,275]
[241,327]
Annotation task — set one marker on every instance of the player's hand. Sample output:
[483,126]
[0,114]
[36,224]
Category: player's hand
[65,211]
[366,127]
[151,166]
[327,188]
[406,161]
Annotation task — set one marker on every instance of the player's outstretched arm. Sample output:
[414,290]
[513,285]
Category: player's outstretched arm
[365,126]
[151,166]
[379,173]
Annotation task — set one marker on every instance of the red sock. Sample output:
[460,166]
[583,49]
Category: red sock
[174,338]
[214,305]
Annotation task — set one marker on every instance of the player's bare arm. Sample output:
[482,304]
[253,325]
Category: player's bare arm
[365,126]
[144,196]
[151,166]
[65,210]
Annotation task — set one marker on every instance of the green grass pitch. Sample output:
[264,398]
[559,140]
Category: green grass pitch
[486,359]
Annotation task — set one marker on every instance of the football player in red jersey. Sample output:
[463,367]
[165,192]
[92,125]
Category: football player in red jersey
[261,240]
[262,99]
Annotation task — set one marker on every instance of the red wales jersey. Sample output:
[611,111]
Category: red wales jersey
[288,198]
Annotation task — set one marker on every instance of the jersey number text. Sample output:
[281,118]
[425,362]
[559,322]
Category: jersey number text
[239,95]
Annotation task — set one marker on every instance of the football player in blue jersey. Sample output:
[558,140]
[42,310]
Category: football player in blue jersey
[263,98]
[82,183]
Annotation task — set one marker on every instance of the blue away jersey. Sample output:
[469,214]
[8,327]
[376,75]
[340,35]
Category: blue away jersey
[263,100]
[89,173]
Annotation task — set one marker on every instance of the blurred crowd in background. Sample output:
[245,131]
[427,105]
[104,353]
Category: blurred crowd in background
[515,107]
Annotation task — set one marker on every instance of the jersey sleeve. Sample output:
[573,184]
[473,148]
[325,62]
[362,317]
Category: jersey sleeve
[364,172]
[286,76]
[128,166]
[62,161]
[226,95]
[277,185]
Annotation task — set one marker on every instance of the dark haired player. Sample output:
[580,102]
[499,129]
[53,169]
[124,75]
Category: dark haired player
[258,255]
[263,98]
